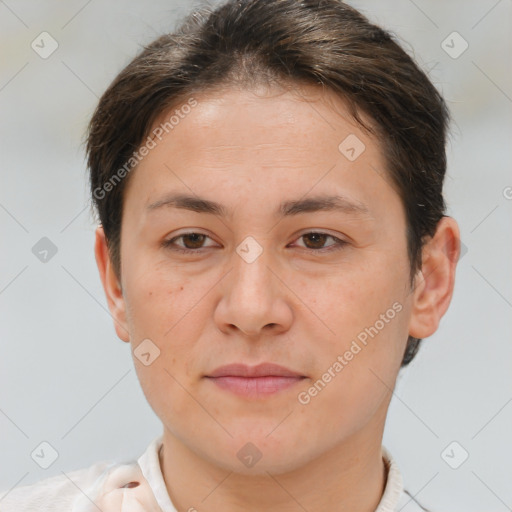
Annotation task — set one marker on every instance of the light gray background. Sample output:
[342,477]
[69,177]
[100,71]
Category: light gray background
[65,378]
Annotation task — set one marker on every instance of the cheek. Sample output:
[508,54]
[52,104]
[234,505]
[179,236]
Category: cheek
[160,319]
[353,379]
[156,297]
[366,313]
[158,304]
[352,299]
[160,384]
[348,402]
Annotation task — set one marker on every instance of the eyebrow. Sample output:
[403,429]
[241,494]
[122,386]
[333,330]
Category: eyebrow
[286,208]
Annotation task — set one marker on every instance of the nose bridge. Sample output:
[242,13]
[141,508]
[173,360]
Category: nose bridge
[251,276]
[252,297]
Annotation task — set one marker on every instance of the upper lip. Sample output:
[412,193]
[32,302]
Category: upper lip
[261,370]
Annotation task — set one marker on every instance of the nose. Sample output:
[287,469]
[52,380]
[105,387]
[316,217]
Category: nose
[254,299]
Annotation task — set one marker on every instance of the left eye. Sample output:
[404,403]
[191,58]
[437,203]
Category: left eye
[318,239]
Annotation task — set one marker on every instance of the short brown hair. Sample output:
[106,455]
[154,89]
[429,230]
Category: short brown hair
[323,42]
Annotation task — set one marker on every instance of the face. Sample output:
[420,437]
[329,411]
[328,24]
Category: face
[301,262]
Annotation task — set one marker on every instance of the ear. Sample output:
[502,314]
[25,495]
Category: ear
[433,285]
[111,285]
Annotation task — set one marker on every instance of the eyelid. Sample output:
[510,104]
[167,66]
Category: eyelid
[170,241]
[338,242]
[319,231]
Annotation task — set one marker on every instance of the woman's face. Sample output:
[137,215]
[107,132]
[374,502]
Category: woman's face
[302,262]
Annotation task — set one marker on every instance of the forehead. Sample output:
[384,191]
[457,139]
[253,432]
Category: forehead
[273,117]
[270,138]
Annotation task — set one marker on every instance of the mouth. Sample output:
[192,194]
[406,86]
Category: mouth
[259,381]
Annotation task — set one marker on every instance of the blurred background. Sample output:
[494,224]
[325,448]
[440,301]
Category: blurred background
[65,377]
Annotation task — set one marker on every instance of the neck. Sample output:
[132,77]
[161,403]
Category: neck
[349,477]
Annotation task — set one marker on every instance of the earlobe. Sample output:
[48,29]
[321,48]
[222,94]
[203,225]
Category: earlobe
[111,286]
[433,286]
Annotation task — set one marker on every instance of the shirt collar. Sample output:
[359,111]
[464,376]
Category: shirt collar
[150,465]
[140,486]
[394,484]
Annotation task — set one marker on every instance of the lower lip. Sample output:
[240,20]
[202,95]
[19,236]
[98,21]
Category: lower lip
[254,387]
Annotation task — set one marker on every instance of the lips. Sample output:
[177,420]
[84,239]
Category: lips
[254,381]
[261,370]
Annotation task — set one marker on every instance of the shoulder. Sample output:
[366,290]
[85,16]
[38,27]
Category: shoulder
[79,490]
[57,493]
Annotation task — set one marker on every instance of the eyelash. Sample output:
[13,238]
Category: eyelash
[336,246]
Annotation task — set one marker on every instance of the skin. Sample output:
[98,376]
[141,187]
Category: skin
[250,150]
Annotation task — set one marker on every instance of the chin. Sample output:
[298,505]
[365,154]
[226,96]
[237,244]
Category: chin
[258,455]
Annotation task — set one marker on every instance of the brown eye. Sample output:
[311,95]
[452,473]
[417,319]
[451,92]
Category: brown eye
[317,240]
[196,240]
[190,243]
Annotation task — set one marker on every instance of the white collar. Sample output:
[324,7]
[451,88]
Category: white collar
[150,466]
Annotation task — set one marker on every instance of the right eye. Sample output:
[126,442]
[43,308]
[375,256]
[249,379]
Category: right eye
[193,242]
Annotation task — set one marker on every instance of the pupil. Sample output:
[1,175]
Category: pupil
[319,238]
[198,238]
